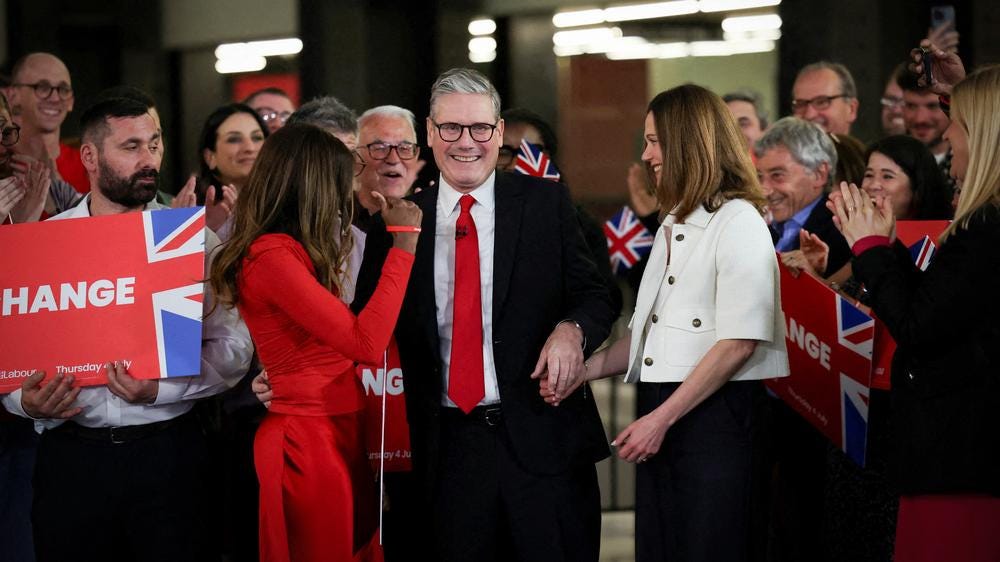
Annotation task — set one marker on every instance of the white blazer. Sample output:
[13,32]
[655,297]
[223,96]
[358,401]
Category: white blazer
[721,282]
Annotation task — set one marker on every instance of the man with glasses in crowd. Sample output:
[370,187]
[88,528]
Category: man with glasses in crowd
[387,142]
[501,289]
[824,93]
[41,96]
[273,105]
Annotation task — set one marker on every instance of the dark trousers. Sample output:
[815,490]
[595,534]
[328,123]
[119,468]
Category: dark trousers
[488,508]
[18,443]
[134,501]
[400,534]
[694,499]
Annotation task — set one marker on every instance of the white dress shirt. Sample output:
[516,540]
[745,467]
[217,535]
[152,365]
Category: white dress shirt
[484,215]
[226,351]
[716,279]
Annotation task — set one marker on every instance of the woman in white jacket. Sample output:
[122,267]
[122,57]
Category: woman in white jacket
[707,329]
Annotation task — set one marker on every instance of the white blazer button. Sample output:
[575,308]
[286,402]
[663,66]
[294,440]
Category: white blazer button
[648,361]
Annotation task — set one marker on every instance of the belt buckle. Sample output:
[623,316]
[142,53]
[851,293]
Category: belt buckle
[491,416]
[115,440]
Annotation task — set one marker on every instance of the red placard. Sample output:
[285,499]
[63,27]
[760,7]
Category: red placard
[830,343]
[79,293]
[397,431]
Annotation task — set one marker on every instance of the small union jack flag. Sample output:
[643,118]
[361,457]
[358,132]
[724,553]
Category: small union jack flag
[628,240]
[531,161]
[855,329]
[922,253]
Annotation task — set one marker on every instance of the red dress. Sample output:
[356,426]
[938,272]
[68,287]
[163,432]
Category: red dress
[317,496]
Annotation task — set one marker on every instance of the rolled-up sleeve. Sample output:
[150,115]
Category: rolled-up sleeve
[747,282]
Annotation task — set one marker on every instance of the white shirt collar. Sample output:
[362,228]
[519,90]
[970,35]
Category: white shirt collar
[448,196]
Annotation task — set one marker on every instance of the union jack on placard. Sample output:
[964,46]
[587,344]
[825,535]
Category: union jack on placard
[922,253]
[855,329]
[532,161]
[177,312]
[628,240]
[854,398]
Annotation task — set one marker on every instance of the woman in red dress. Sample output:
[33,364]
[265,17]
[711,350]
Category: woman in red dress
[282,269]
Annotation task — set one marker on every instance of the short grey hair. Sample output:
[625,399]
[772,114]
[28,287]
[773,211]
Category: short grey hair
[847,86]
[465,81]
[328,113]
[393,111]
[754,99]
[808,144]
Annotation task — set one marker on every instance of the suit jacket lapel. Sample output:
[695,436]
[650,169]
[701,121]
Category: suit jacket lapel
[509,199]
[422,277]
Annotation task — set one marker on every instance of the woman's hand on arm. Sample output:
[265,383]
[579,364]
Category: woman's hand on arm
[643,437]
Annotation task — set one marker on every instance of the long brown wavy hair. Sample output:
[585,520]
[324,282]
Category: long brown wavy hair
[705,159]
[300,185]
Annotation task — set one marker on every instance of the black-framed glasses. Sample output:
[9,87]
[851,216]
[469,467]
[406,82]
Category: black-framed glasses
[451,132]
[10,135]
[43,90]
[405,150]
[819,103]
[268,115]
[359,163]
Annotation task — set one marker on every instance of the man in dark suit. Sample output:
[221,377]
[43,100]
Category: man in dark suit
[796,162]
[501,289]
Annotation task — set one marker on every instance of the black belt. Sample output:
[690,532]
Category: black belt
[490,415]
[121,434]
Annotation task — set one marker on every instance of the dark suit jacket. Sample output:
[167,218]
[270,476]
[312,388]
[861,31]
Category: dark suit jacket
[541,275]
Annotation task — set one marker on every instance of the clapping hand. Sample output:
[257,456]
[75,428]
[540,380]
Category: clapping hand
[218,212]
[857,216]
[186,196]
[811,257]
[35,178]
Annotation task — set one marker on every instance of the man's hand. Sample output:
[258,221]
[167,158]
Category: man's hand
[640,195]
[261,387]
[129,388]
[217,213]
[811,257]
[186,196]
[562,360]
[946,68]
[53,400]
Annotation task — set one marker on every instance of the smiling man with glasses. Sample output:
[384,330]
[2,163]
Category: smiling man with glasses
[502,292]
[824,93]
[41,96]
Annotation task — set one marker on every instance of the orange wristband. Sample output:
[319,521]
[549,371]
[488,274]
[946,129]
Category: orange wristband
[402,228]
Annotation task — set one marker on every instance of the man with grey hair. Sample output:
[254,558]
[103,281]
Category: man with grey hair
[502,292]
[796,162]
[824,93]
[329,113]
[748,109]
[387,142]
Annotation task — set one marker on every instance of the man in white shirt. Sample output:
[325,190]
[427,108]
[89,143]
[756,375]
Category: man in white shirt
[120,467]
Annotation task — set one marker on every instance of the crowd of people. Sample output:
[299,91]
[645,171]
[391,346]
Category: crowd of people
[497,290]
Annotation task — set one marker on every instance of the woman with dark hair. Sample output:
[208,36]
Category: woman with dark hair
[902,168]
[282,268]
[707,329]
[227,149]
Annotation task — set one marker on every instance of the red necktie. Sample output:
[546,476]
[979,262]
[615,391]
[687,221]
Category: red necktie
[465,374]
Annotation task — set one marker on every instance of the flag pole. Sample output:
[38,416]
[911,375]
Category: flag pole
[381,456]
